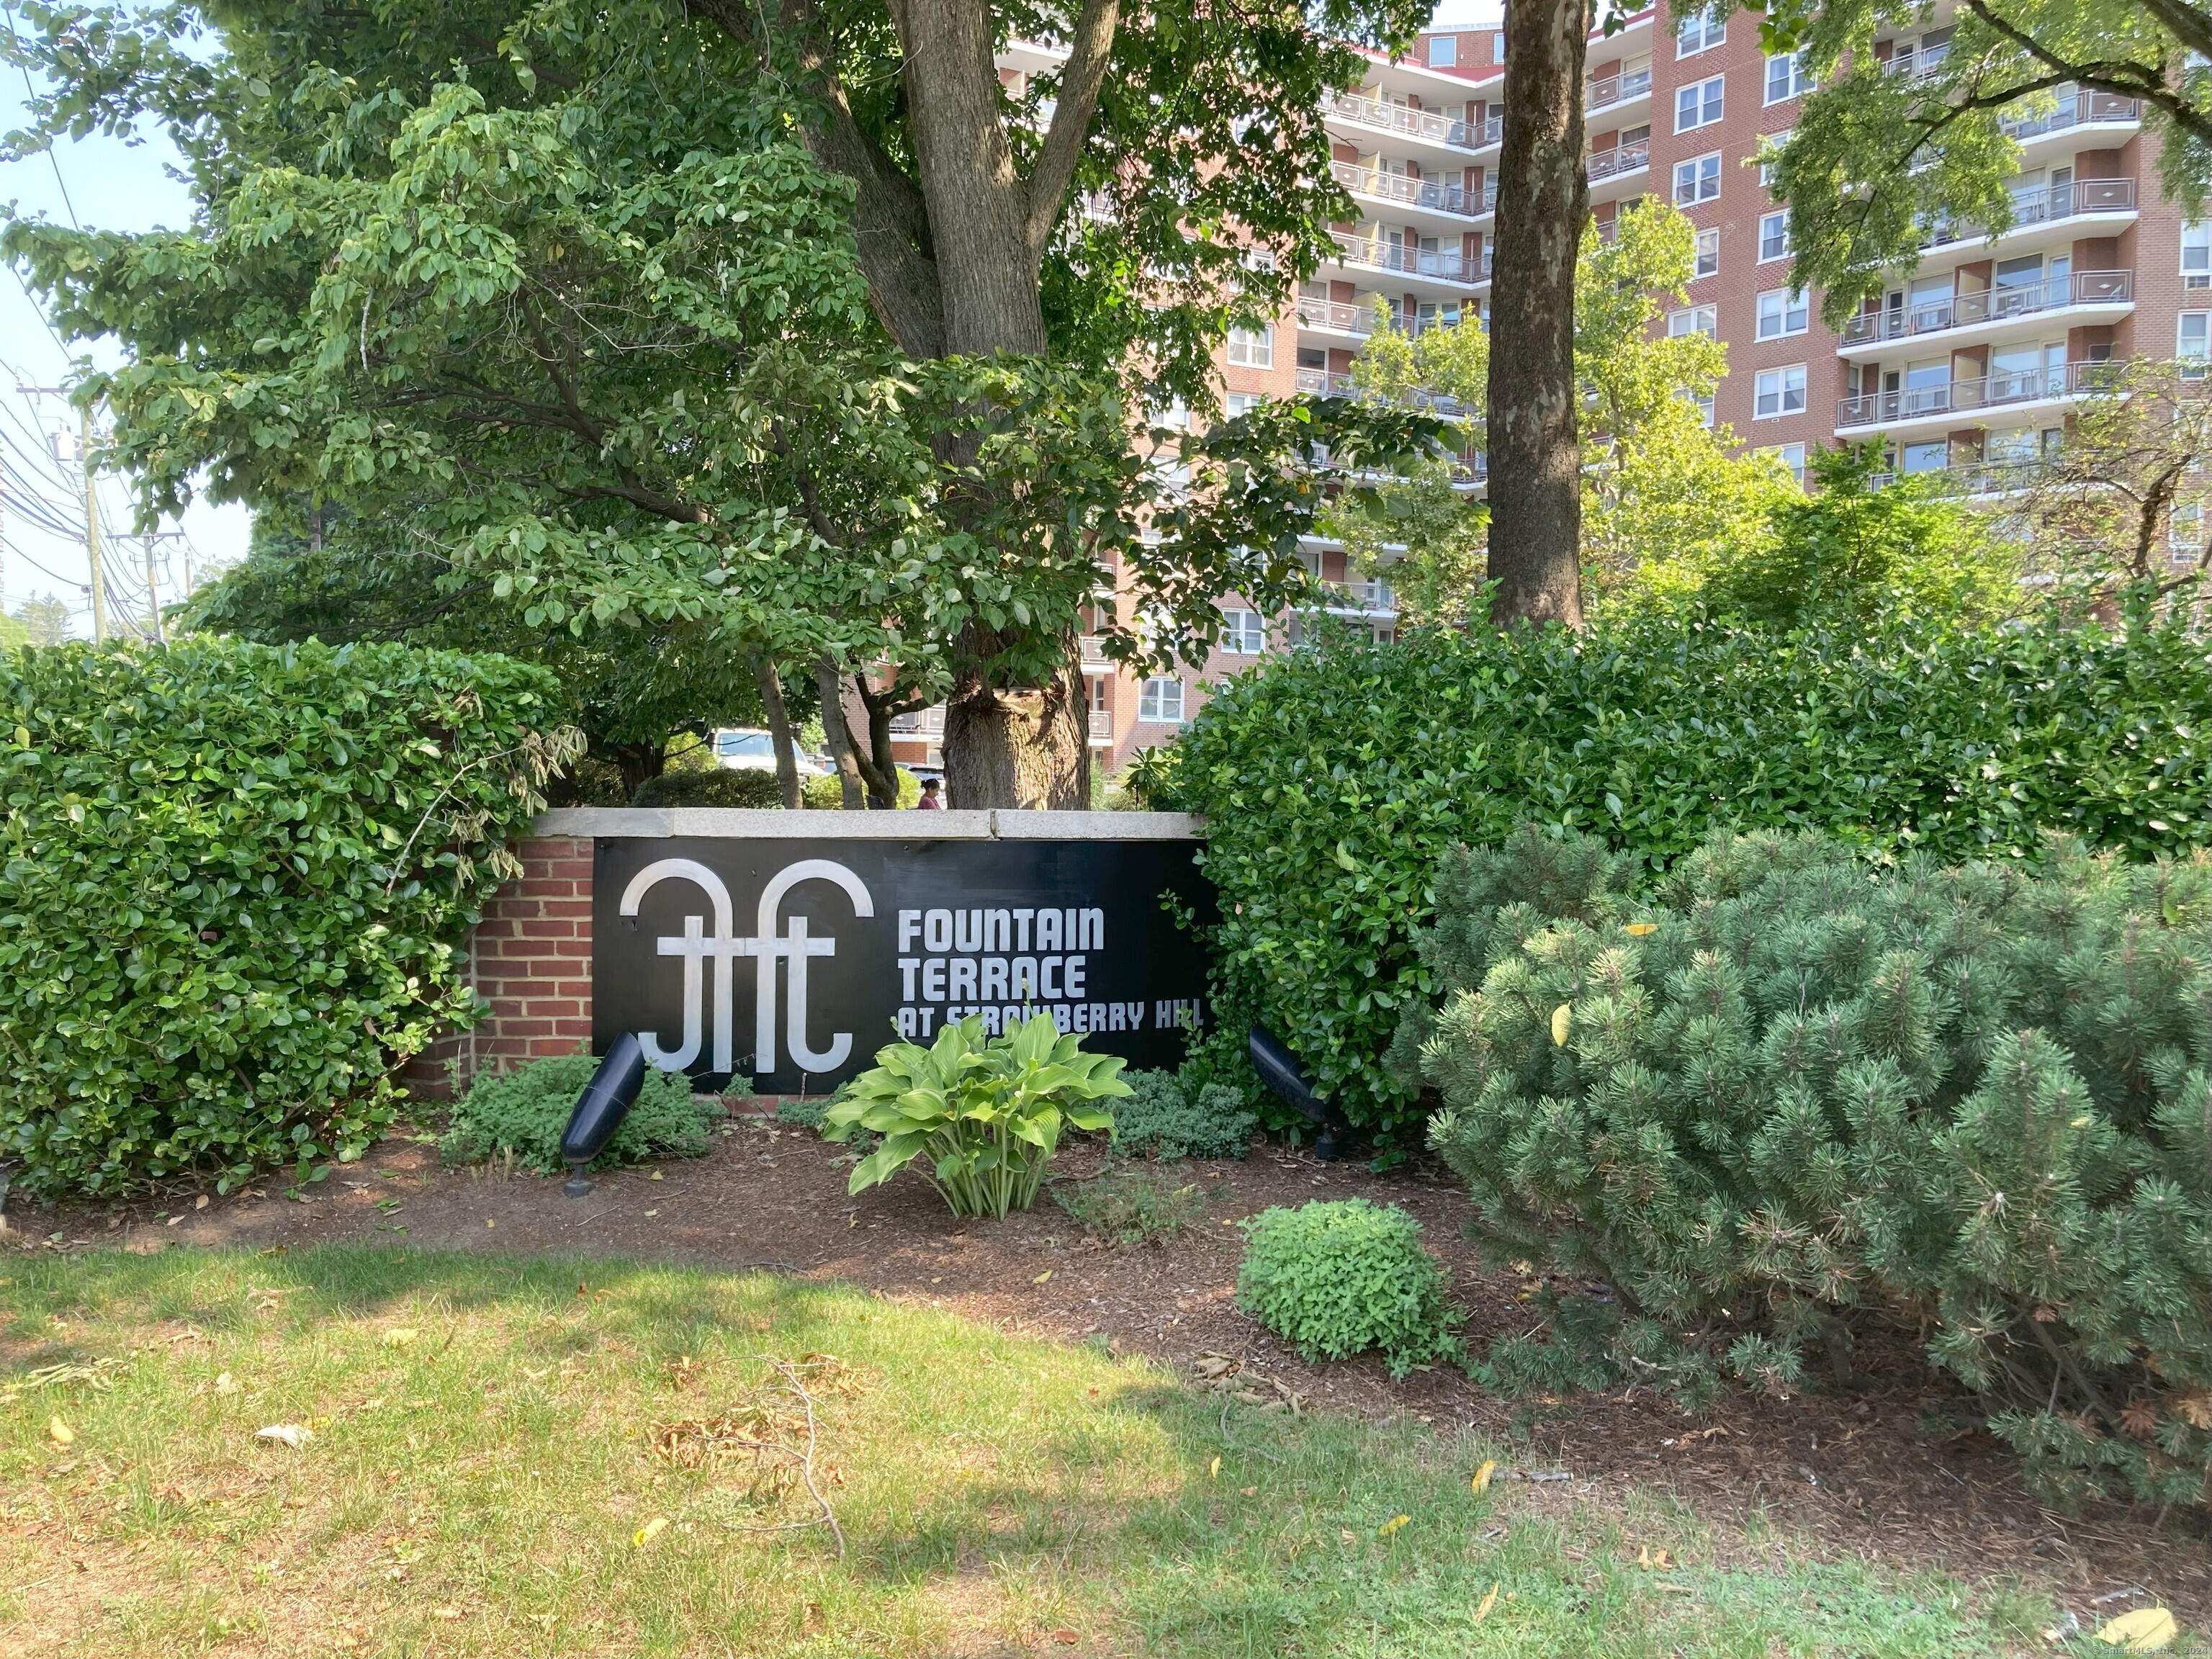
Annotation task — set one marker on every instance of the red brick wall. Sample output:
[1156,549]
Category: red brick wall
[531,959]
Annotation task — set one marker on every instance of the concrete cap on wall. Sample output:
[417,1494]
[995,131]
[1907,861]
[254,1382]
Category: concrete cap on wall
[743,823]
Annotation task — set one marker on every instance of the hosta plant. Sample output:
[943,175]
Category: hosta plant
[985,1112]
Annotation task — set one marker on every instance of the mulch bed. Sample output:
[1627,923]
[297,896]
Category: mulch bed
[1896,1473]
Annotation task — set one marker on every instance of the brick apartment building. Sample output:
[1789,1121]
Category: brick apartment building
[1967,364]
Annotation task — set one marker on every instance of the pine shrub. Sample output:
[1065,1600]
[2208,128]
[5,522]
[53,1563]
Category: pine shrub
[1168,1120]
[1786,1083]
[1336,1279]
[521,1113]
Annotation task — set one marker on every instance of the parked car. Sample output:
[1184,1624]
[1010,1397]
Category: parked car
[742,749]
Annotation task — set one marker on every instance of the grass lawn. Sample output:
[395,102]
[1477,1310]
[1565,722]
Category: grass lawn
[481,1485]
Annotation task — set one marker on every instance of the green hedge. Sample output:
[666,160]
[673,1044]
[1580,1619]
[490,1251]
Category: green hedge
[232,883]
[1336,775]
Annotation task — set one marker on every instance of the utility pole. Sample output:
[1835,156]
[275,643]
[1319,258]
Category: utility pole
[92,533]
[98,587]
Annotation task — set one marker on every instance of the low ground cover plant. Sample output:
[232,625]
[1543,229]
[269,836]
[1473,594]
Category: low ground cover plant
[519,1114]
[1336,776]
[233,882]
[1787,1085]
[985,1112]
[1338,1278]
[1132,1203]
[1166,1118]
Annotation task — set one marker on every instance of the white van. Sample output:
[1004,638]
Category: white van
[742,749]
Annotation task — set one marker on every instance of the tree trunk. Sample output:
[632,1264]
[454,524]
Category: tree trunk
[1543,201]
[838,735]
[637,763]
[878,767]
[1025,747]
[779,726]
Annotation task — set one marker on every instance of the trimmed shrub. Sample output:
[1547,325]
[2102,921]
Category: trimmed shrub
[1786,1082]
[1132,1204]
[722,787]
[1335,776]
[234,883]
[1336,1279]
[1164,1118]
[521,1113]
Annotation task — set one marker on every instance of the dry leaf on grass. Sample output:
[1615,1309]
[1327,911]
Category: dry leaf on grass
[291,1434]
[225,1384]
[400,1338]
[1479,1480]
[2144,1630]
[651,1530]
[1482,1610]
[1392,1525]
[60,1432]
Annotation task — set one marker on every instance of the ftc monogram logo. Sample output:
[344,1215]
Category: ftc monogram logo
[698,947]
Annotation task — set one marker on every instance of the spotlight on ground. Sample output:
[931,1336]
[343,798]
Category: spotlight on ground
[600,1110]
[1279,1072]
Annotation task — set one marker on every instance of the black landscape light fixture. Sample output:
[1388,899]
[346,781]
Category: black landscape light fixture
[606,1100]
[1279,1072]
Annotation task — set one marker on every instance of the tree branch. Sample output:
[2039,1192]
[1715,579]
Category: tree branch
[2106,76]
[890,221]
[1089,50]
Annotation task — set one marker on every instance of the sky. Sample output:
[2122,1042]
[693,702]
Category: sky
[106,183]
[103,183]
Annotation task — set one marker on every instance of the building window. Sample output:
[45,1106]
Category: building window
[1160,703]
[1176,417]
[2194,348]
[1243,633]
[1770,152]
[1773,236]
[1708,250]
[1696,319]
[1697,181]
[1779,392]
[1701,33]
[1241,403]
[1791,456]
[1099,695]
[1782,312]
[1700,401]
[2196,254]
[1786,77]
[1699,106]
[1930,457]
[1252,347]
[1497,46]
[1444,50]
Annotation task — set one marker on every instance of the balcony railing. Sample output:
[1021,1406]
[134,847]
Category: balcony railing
[1612,88]
[1376,254]
[1092,650]
[923,723]
[1429,123]
[1622,158]
[1102,726]
[1337,316]
[1492,132]
[1483,201]
[1960,397]
[1971,478]
[1321,383]
[1918,66]
[1402,188]
[2045,205]
[2073,109]
[2083,287]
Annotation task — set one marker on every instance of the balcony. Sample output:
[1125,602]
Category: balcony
[1492,133]
[1616,89]
[923,723]
[1373,254]
[1917,65]
[1622,159]
[1092,649]
[1377,116]
[1337,317]
[2073,110]
[2031,208]
[1320,383]
[1970,397]
[1483,203]
[1101,728]
[1402,190]
[1994,305]
[1971,478]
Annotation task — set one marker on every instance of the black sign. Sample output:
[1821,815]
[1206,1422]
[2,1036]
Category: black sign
[795,960]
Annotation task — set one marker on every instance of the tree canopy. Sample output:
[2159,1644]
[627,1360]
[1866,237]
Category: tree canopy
[560,299]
